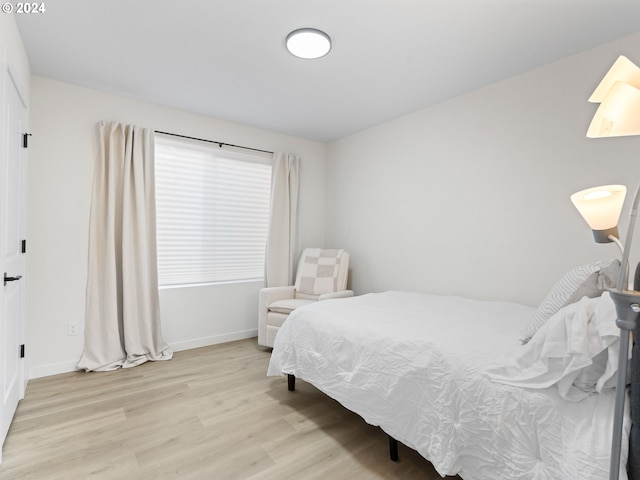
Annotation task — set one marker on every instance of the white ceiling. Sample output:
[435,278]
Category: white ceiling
[226,58]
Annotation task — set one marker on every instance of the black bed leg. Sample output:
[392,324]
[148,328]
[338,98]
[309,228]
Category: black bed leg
[291,382]
[393,449]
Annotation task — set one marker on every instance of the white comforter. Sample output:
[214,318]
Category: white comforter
[576,350]
[414,364]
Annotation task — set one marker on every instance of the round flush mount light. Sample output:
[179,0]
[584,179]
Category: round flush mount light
[308,43]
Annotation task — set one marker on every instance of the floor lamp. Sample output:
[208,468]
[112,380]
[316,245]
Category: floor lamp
[618,115]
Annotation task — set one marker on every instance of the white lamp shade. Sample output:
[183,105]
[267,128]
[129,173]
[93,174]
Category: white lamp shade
[623,70]
[619,113]
[600,206]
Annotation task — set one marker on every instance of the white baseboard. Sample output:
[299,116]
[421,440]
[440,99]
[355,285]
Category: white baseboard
[214,340]
[70,366]
[53,369]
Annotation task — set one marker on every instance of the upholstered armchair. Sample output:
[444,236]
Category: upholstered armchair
[321,275]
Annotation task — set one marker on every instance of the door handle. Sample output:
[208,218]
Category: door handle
[8,279]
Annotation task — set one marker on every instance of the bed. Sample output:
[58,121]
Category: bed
[450,378]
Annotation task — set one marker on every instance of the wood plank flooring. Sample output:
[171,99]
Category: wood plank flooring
[210,413]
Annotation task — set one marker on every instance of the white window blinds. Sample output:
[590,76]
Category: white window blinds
[212,208]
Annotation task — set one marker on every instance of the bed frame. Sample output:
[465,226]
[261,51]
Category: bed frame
[393,443]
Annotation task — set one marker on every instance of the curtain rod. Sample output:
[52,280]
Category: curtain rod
[220,144]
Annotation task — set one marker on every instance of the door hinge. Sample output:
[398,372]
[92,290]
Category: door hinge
[25,140]
[22,351]
[8,279]
[23,246]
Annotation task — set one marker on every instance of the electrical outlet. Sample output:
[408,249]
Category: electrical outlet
[73,328]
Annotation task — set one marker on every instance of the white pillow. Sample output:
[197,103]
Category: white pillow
[587,379]
[576,351]
[589,280]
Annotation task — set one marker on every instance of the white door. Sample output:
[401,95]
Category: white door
[12,259]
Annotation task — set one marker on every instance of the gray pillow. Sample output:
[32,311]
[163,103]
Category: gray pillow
[590,280]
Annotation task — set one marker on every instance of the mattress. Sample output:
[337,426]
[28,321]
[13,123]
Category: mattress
[416,365]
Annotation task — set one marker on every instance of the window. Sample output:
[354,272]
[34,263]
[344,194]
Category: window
[212,208]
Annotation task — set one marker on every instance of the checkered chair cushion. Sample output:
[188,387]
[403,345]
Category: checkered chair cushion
[319,271]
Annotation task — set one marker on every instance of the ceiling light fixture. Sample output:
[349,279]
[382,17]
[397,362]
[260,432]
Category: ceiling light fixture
[308,43]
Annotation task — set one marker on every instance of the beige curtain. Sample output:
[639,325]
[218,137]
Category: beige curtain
[122,321]
[283,221]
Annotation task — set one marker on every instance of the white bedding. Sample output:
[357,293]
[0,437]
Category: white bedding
[576,350]
[414,364]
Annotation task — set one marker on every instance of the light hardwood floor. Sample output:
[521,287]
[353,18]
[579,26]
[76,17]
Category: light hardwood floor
[210,413]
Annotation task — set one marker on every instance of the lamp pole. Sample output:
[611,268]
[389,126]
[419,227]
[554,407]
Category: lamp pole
[627,310]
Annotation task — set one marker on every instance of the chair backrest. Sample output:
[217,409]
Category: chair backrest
[321,271]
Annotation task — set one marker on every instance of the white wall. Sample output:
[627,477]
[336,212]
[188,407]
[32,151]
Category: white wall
[63,124]
[468,197]
[471,196]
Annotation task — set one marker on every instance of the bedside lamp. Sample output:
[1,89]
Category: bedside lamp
[618,115]
[600,207]
[619,97]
